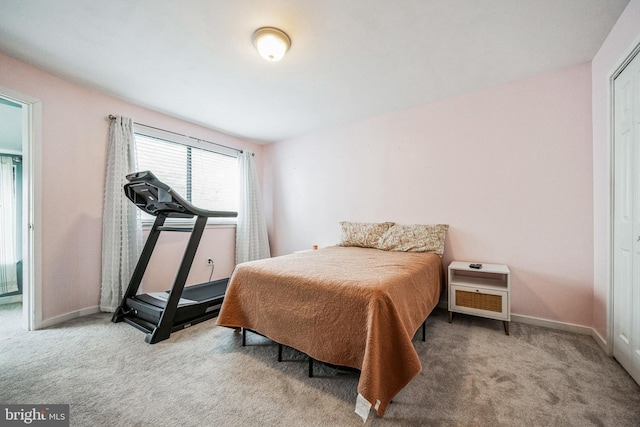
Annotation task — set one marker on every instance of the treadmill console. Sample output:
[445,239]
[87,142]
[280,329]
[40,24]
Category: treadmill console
[155,197]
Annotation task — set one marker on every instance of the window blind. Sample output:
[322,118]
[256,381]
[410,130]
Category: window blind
[206,178]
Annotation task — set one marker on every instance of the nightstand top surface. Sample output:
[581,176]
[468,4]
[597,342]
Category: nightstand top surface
[486,268]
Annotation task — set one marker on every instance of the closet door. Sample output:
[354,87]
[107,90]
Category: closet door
[626,245]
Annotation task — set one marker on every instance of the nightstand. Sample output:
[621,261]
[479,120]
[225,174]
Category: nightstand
[481,292]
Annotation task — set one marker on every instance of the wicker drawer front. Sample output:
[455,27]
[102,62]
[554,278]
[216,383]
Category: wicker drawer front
[485,302]
[479,301]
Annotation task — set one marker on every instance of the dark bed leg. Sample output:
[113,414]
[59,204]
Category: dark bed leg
[310,367]
[244,336]
[424,330]
[279,352]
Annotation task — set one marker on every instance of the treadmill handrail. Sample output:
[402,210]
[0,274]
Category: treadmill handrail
[155,197]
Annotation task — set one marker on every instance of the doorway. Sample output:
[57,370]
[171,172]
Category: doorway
[20,148]
[11,282]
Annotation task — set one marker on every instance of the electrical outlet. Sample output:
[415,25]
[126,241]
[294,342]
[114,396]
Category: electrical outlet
[209,261]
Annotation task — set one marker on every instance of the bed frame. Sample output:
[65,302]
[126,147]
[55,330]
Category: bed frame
[344,306]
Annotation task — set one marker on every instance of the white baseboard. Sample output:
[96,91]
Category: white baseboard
[552,324]
[567,327]
[601,342]
[69,316]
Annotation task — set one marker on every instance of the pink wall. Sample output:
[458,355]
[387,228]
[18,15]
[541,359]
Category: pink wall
[74,137]
[509,168]
[624,36]
[217,243]
[523,147]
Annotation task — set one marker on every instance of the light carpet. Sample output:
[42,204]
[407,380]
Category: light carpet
[473,375]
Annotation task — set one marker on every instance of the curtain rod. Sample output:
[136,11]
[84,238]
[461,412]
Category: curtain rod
[15,157]
[112,117]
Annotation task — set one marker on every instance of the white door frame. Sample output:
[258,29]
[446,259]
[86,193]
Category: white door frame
[32,206]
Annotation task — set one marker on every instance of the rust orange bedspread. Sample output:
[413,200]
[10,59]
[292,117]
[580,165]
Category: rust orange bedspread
[348,306]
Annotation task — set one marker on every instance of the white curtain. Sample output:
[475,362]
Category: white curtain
[8,270]
[252,242]
[121,228]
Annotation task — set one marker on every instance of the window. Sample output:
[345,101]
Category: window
[202,173]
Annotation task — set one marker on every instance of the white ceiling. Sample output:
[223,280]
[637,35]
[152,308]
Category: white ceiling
[349,60]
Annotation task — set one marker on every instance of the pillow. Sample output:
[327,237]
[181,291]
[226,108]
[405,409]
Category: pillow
[414,238]
[362,234]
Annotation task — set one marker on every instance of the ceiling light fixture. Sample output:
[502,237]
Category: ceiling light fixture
[271,43]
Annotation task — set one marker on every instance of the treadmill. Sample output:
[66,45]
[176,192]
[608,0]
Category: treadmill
[161,313]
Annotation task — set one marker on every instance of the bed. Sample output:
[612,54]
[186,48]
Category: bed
[349,305]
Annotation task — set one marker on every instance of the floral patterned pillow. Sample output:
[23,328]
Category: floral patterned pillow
[414,238]
[362,234]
